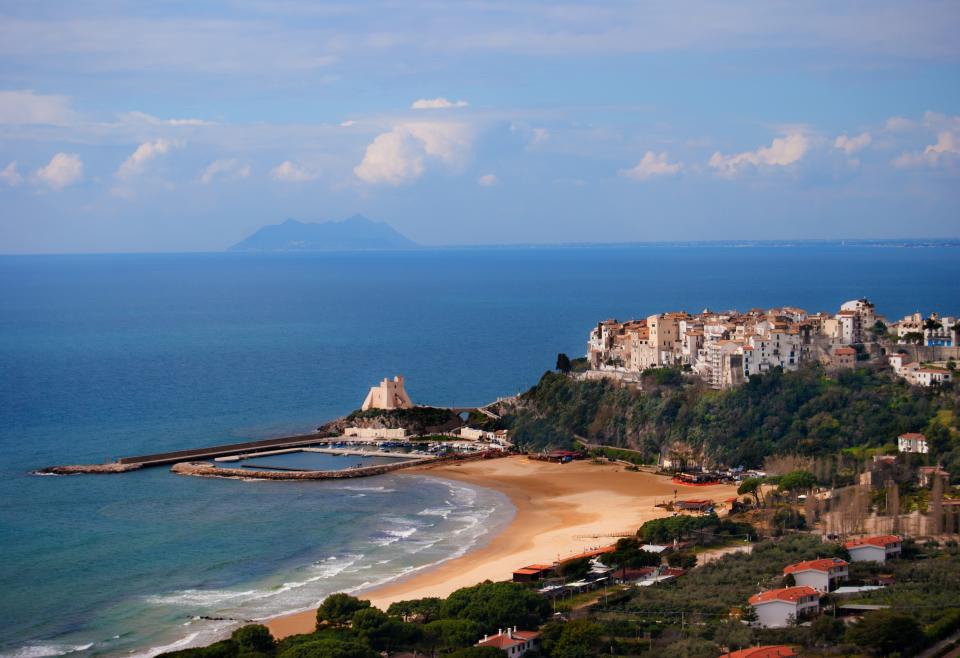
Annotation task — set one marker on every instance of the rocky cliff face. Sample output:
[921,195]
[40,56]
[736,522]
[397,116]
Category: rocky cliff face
[418,420]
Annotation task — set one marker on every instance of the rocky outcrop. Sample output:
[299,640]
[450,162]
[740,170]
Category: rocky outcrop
[113,467]
[416,420]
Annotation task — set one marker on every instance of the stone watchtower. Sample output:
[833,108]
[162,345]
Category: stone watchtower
[390,394]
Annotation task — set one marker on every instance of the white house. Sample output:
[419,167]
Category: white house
[879,548]
[822,575]
[512,642]
[912,442]
[777,608]
[931,376]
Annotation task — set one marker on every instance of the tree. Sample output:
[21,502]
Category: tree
[627,553]
[682,560]
[797,482]
[420,610]
[912,337]
[885,632]
[449,634]
[733,635]
[496,605]
[579,638]
[575,569]
[337,609]
[753,487]
[563,363]
[879,329]
[329,648]
[477,652]
[254,637]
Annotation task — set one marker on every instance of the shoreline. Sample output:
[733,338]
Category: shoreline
[561,510]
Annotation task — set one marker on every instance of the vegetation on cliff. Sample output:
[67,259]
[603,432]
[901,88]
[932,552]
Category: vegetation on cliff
[809,412]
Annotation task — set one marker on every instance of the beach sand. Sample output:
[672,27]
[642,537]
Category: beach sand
[562,510]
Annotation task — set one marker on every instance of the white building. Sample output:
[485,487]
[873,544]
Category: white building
[912,442]
[878,548]
[512,642]
[779,607]
[822,575]
[388,395]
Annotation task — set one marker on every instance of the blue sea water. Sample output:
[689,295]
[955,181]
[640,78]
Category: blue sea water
[103,356]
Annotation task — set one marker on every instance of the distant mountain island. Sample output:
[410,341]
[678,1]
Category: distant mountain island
[353,233]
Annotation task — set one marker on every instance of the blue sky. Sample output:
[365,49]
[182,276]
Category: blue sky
[181,126]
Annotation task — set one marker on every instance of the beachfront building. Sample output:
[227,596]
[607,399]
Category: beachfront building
[822,575]
[879,548]
[512,642]
[390,394]
[912,442]
[778,608]
[767,651]
[375,433]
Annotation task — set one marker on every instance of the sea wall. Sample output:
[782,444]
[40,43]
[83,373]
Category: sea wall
[206,469]
[113,467]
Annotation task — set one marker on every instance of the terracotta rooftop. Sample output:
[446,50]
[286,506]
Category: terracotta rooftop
[509,639]
[913,436]
[789,594]
[824,565]
[770,651]
[878,540]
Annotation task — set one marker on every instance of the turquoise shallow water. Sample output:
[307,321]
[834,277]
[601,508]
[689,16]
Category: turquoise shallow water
[102,356]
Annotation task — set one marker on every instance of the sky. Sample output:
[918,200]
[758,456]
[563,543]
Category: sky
[130,126]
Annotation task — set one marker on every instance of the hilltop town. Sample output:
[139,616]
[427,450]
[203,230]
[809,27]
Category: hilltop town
[726,347]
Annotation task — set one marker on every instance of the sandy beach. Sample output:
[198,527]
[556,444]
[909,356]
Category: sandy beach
[562,510]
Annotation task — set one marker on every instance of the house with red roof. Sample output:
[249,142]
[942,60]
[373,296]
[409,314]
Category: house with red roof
[822,575]
[777,608]
[878,548]
[912,442]
[512,642]
[768,651]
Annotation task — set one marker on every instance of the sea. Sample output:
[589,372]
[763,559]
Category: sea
[109,355]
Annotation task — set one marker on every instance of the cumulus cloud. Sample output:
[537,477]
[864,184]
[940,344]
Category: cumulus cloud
[488,180]
[898,124]
[63,169]
[851,145]
[10,175]
[26,107]
[782,151]
[944,151]
[347,123]
[439,103]
[398,156]
[137,162]
[227,168]
[143,117]
[650,166]
[291,172]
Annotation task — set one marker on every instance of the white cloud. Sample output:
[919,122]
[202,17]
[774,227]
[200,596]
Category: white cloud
[137,162]
[26,107]
[224,169]
[782,151]
[652,165]
[944,151]
[347,123]
[62,170]
[898,124]
[851,145]
[143,117]
[438,103]
[291,172]
[10,175]
[398,156]
[488,180]
[540,135]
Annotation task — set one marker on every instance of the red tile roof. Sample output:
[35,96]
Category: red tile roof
[824,565]
[770,651]
[788,594]
[504,641]
[913,436]
[880,540]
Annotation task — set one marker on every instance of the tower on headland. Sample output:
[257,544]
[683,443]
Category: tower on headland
[390,394]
